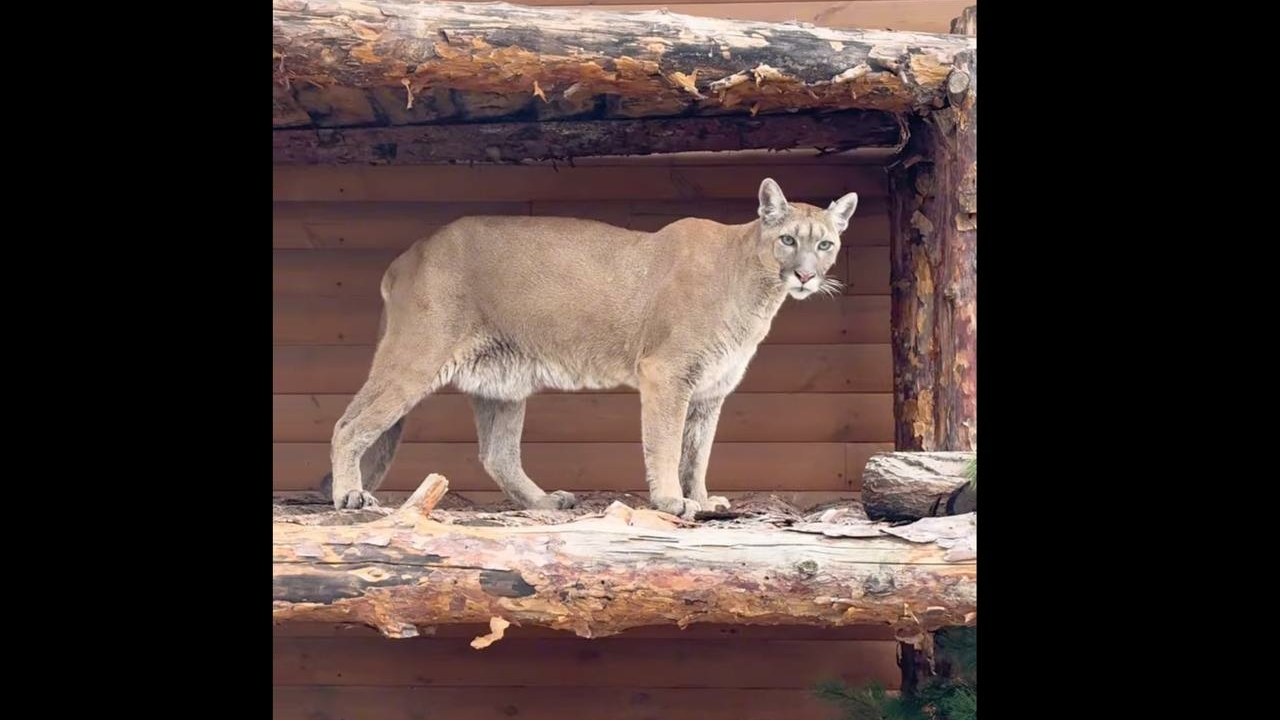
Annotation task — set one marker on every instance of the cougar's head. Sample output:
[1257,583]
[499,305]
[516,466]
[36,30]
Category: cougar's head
[801,240]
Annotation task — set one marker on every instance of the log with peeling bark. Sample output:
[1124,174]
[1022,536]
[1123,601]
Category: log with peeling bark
[909,485]
[934,269]
[344,63]
[512,142]
[627,568]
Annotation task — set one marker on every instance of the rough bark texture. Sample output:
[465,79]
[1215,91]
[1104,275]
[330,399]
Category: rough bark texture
[558,140]
[348,63]
[934,266]
[904,485]
[629,568]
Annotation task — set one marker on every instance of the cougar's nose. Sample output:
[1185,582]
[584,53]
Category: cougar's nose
[804,276]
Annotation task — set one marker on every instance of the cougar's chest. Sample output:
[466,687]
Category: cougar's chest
[728,359]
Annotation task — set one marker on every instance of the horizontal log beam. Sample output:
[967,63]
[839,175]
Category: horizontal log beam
[560,140]
[629,568]
[345,63]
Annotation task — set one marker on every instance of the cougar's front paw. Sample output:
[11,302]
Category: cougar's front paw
[715,502]
[558,500]
[682,507]
[355,500]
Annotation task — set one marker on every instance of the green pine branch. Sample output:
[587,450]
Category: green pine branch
[952,695]
[971,472]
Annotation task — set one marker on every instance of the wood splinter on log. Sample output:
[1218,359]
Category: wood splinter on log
[418,506]
[408,88]
[602,575]
[497,627]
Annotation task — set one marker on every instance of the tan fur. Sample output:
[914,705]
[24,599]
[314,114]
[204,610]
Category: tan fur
[502,307]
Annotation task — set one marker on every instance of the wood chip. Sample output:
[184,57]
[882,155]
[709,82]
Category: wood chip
[497,626]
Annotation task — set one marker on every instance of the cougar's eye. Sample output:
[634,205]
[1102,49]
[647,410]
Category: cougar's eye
[788,240]
[825,245]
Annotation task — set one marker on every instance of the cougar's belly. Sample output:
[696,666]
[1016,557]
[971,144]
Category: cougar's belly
[504,371]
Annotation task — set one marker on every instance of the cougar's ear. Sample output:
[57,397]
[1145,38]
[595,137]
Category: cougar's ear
[841,210]
[773,204]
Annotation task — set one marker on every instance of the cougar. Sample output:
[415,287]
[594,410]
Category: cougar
[502,307]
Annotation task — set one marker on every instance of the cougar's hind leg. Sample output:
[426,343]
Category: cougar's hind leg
[499,424]
[375,463]
[377,459]
[365,438]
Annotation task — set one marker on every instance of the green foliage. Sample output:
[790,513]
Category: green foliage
[961,704]
[956,652]
[871,702]
[950,695]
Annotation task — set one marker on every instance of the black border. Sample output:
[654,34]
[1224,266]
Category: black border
[172,267]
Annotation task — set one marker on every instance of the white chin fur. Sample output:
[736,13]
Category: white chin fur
[799,293]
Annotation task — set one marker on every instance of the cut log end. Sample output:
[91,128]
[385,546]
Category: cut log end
[910,485]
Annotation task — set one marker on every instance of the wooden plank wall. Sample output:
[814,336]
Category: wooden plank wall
[701,673]
[814,405]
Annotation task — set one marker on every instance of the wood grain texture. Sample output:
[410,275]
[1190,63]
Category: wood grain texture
[601,575]
[697,631]
[598,466]
[612,417]
[543,703]
[815,158]
[868,270]
[517,142]
[577,663]
[786,5]
[330,369]
[379,62]
[802,500]
[433,183]
[934,269]
[815,321]
[372,225]
[931,16]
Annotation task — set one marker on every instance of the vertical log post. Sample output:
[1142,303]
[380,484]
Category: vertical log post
[933,272]
[934,215]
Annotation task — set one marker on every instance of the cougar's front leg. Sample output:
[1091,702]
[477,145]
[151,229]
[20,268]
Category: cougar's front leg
[699,432]
[664,400]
